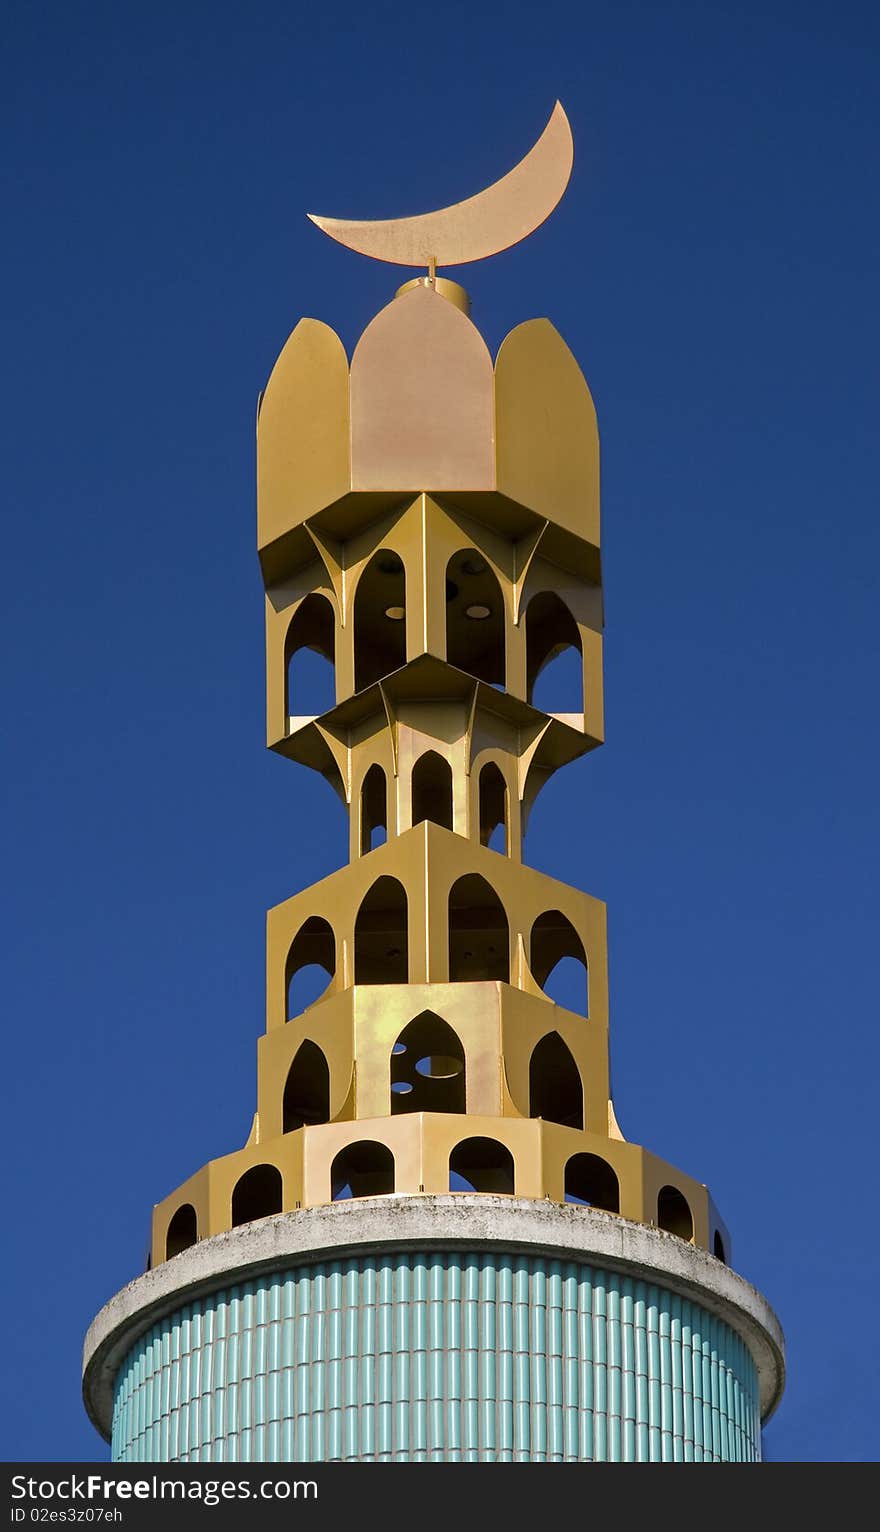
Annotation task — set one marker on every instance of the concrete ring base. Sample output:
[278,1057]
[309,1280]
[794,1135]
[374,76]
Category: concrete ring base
[453,1222]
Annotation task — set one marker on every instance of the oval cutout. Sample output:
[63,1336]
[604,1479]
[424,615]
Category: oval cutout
[439,1066]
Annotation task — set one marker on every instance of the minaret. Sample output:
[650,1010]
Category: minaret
[436,1244]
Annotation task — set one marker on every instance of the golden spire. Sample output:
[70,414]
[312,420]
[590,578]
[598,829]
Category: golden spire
[428,521]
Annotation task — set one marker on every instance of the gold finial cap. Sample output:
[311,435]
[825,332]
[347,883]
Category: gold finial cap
[447,289]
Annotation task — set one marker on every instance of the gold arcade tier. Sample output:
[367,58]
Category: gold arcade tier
[429,524]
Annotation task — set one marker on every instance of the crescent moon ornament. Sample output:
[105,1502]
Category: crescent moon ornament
[491,221]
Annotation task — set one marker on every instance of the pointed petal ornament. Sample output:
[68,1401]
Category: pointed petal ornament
[493,220]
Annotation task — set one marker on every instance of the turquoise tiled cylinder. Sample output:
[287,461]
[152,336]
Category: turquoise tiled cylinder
[439,1357]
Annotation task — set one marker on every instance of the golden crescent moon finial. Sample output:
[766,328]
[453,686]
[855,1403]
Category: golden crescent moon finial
[491,221]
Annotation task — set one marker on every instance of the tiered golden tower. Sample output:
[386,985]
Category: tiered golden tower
[429,524]
[434,1130]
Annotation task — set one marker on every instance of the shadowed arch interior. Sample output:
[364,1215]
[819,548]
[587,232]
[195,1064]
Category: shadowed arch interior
[432,790]
[718,1250]
[475,618]
[380,935]
[494,809]
[591,1182]
[674,1213]
[554,675]
[257,1195]
[309,658]
[307,1088]
[479,936]
[311,964]
[427,1068]
[481,1165]
[364,1169]
[379,619]
[183,1231]
[558,961]
[374,809]
[556,1092]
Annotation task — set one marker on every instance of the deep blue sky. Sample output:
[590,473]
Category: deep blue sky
[713,266]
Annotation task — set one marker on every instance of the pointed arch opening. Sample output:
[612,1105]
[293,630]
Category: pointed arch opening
[183,1231]
[591,1182]
[310,659]
[556,1091]
[481,1165]
[427,1068]
[554,656]
[381,935]
[475,618]
[311,964]
[559,963]
[364,1169]
[379,619]
[374,809]
[674,1213]
[432,790]
[307,1089]
[479,935]
[494,809]
[257,1195]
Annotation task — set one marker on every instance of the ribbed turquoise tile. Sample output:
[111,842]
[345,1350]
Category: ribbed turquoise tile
[600,1437]
[653,1353]
[335,1439]
[350,1433]
[629,1397]
[538,1327]
[654,1408]
[442,1357]
[453,1427]
[615,1439]
[419,1370]
[456,1376]
[319,1433]
[504,1323]
[288,1441]
[614,1342]
[554,1405]
[666,1412]
[600,1390]
[600,1340]
[627,1344]
[537,1442]
[522,1434]
[707,1431]
[420,1426]
[273,1442]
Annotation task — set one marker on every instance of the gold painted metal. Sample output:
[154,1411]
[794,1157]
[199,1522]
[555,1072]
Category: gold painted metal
[492,221]
[452,291]
[303,435]
[548,442]
[429,524]
[422,399]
